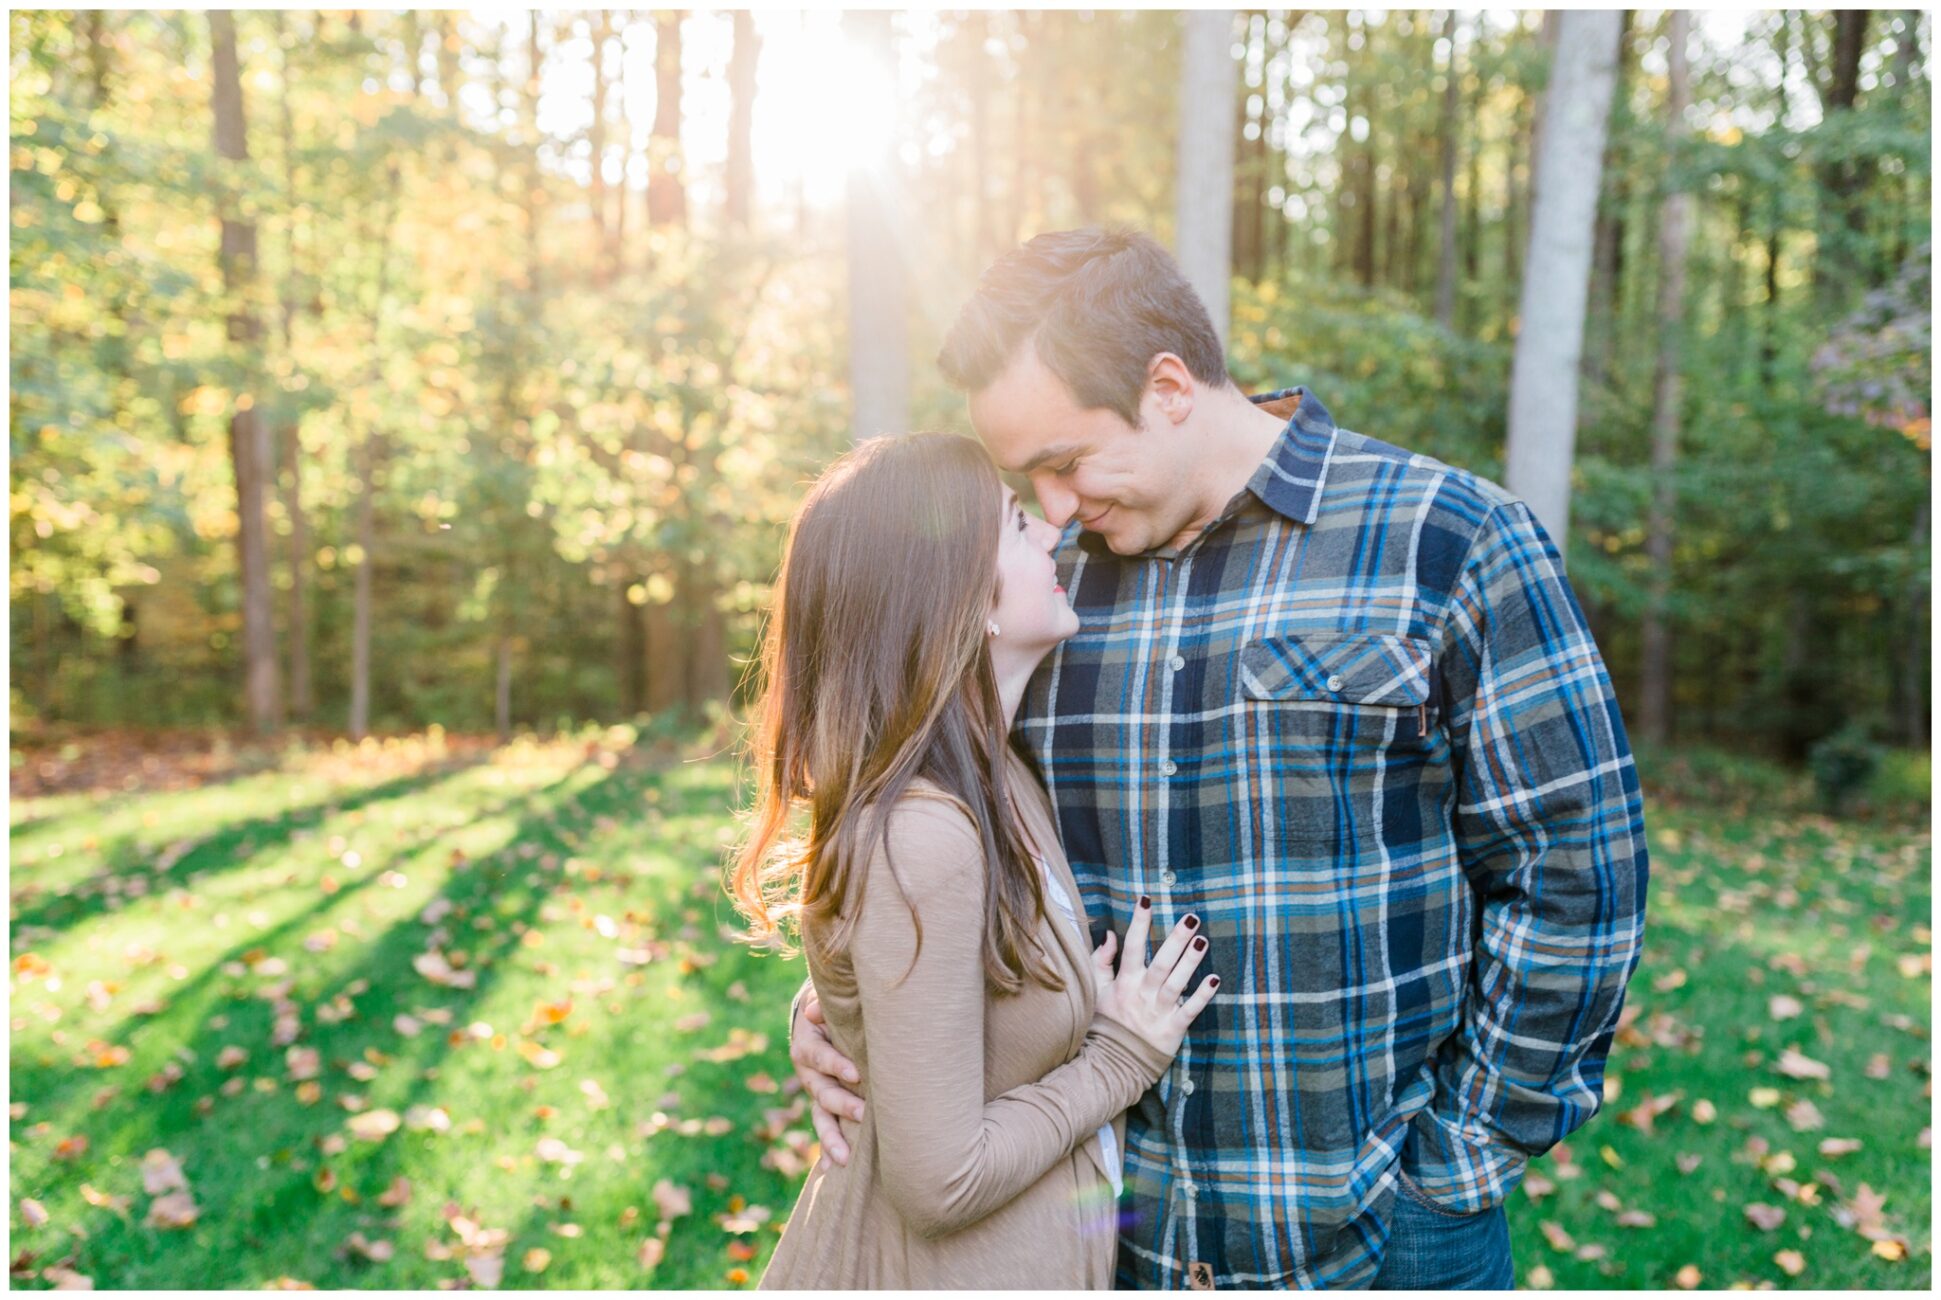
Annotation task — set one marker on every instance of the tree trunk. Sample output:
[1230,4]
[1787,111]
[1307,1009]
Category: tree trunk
[535,178]
[502,694]
[1915,636]
[1550,333]
[249,447]
[596,138]
[1203,225]
[1601,330]
[370,456]
[1837,269]
[666,187]
[741,89]
[1450,124]
[879,357]
[290,450]
[1674,241]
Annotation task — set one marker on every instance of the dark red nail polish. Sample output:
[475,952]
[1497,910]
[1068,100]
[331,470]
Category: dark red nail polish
[1145,901]
[1192,922]
[1214,980]
[1199,944]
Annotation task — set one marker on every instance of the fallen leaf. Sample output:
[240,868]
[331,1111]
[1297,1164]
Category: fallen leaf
[173,1211]
[1879,1066]
[554,1151]
[1637,1219]
[33,1213]
[433,1118]
[398,1193]
[1795,1065]
[434,967]
[741,1250]
[1559,1239]
[229,1058]
[1804,1116]
[1764,1217]
[1536,1186]
[485,1270]
[1540,1278]
[672,1201]
[536,1259]
[303,1062]
[1790,1262]
[375,1251]
[101,1200]
[1763,1098]
[689,1024]
[1782,1007]
[1688,1278]
[1672,979]
[66,1279]
[651,1252]
[373,1125]
[1704,1112]
[1832,1147]
[1891,1249]
[1687,1161]
[161,1174]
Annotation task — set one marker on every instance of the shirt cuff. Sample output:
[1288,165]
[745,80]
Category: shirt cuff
[1463,1169]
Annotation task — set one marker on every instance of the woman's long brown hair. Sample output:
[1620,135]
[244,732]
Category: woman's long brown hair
[877,671]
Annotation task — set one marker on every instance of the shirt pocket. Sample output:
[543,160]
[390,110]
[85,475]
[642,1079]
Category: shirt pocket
[1330,671]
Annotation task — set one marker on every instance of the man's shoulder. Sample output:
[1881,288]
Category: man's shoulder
[1363,469]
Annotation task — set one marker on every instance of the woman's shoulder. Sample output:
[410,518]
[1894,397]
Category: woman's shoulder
[928,839]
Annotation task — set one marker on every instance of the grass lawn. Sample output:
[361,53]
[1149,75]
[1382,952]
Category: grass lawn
[424,1014]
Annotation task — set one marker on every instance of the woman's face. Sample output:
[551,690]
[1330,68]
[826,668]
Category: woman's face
[1031,612]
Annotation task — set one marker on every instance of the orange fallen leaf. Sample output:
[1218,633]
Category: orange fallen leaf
[1795,1065]
[1688,1278]
[1764,1217]
[173,1211]
[1831,1147]
[373,1125]
[1790,1262]
[536,1259]
[160,1173]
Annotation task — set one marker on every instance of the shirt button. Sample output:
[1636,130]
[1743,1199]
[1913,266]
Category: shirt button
[1168,879]
[1178,662]
[1187,1087]
[1334,683]
[1189,1191]
[1168,767]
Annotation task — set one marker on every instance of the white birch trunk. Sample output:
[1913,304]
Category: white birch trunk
[1203,229]
[1556,270]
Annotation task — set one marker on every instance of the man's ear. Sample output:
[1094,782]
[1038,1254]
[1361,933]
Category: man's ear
[1172,387]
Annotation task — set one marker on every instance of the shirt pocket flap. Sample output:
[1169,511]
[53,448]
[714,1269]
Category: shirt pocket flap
[1347,667]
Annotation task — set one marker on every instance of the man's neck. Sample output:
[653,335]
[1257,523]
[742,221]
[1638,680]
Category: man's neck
[1236,437]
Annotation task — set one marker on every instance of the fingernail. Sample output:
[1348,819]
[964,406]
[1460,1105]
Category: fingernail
[1199,944]
[1144,901]
[1192,922]
[1214,980]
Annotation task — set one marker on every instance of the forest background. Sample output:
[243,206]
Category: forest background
[405,410]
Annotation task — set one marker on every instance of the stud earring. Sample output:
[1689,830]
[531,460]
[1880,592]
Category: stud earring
[991,627]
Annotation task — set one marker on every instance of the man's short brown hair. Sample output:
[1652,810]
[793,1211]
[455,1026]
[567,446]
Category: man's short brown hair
[1097,305]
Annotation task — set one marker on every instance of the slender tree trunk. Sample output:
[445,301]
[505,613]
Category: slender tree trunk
[249,447]
[370,458]
[502,694]
[1674,241]
[741,89]
[879,358]
[666,190]
[1451,123]
[1838,270]
[596,138]
[1916,634]
[1543,374]
[1203,229]
[535,178]
[290,451]
[1601,330]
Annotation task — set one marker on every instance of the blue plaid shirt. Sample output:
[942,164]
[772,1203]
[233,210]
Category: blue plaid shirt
[1359,726]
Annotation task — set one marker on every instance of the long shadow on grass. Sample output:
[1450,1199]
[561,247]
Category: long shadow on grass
[122,857]
[254,1161]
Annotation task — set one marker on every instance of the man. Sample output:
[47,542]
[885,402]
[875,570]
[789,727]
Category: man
[1339,701]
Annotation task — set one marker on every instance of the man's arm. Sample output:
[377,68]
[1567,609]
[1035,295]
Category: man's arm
[1549,822]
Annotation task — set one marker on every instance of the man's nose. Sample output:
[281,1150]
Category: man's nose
[1057,503]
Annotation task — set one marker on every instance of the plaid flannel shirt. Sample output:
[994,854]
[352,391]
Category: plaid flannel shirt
[1359,726]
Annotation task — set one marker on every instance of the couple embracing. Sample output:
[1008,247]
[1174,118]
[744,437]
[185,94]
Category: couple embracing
[1227,880]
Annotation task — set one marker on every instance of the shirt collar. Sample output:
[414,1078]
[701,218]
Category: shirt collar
[1290,479]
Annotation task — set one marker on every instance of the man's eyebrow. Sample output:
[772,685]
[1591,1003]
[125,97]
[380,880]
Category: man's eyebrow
[1062,451]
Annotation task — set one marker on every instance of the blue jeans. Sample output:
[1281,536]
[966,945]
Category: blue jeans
[1431,1249]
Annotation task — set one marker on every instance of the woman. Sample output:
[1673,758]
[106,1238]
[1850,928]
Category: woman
[936,909]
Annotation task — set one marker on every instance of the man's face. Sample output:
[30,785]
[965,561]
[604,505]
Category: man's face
[1117,480]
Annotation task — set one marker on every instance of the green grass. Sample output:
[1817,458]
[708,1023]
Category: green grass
[157,922]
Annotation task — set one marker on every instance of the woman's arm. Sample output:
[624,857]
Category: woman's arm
[947,1157]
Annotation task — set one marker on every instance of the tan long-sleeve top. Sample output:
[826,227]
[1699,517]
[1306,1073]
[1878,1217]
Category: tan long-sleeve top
[977,1162]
